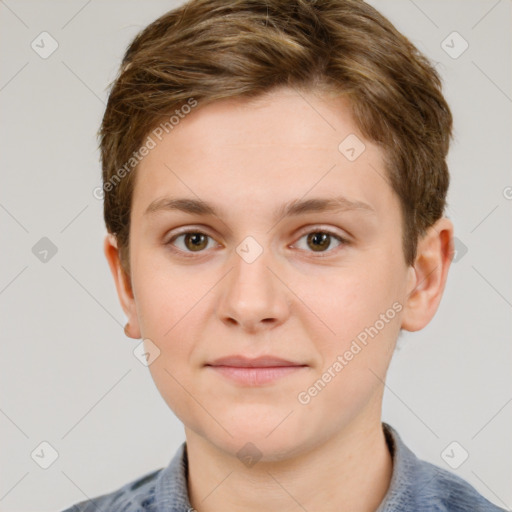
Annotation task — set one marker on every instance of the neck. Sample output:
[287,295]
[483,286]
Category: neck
[350,471]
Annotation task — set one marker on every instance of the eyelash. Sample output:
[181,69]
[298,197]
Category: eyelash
[190,254]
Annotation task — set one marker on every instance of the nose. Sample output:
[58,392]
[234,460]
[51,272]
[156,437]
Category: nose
[253,295]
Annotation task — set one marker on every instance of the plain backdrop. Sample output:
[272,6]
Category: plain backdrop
[68,374]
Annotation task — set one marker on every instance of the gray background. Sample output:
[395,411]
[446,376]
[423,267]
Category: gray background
[67,371]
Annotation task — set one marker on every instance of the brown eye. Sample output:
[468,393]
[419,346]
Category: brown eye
[320,241]
[195,241]
[192,241]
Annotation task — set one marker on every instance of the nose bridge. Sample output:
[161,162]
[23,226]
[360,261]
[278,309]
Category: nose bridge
[252,294]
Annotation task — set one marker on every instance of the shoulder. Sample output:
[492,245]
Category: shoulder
[447,492]
[163,489]
[420,485]
[137,495]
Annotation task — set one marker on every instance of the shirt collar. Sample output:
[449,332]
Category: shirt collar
[408,479]
[410,476]
[171,487]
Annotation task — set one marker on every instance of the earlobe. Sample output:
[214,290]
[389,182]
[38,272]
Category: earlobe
[123,286]
[429,275]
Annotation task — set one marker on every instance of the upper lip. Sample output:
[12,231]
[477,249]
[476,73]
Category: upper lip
[257,362]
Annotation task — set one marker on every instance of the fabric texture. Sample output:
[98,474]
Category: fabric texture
[416,486]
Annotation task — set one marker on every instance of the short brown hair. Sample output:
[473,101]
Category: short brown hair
[214,49]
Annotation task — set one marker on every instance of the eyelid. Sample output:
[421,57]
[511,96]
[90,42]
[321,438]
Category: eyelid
[189,229]
[185,231]
[318,228]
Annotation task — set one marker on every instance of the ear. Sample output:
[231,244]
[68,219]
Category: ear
[123,286]
[429,274]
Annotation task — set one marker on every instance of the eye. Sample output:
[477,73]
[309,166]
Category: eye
[320,240]
[193,241]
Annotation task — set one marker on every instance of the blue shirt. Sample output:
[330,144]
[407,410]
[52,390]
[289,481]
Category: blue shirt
[416,486]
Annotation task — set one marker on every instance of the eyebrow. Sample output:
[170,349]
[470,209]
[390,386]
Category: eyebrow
[292,208]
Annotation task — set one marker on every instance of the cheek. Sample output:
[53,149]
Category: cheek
[170,304]
[348,300]
[165,294]
[362,311]
[366,320]
[168,310]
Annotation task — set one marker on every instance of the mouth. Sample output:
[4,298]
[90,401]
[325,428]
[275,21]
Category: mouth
[255,371]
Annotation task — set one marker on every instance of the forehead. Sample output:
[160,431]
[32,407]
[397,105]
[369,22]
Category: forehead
[267,151]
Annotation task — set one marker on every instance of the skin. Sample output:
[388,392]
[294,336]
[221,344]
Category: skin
[294,302]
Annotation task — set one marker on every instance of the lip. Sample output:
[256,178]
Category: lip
[253,362]
[255,371]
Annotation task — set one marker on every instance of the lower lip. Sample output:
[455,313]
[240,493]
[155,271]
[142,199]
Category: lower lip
[256,376]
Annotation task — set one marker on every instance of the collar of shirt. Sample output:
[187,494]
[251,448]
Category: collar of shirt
[415,485]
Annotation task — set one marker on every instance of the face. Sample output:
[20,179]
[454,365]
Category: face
[246,278]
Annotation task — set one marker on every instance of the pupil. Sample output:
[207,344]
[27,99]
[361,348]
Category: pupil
[319,237]
[196,238]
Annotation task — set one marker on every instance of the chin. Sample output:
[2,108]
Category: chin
[271,440]
[250,449]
